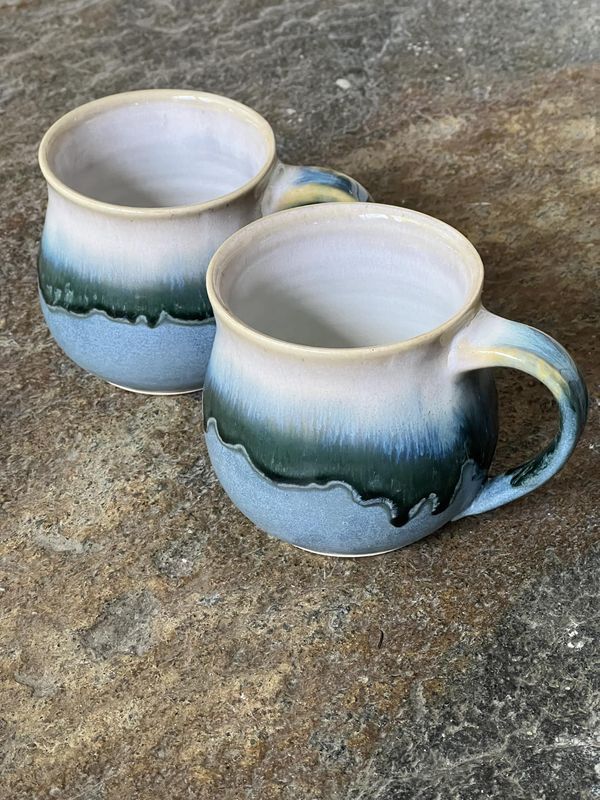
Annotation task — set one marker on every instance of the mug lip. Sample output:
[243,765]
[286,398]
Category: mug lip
[83,112]
[262,228]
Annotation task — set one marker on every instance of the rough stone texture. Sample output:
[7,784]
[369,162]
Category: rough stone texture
[124,627]
[522,721]
[152,642]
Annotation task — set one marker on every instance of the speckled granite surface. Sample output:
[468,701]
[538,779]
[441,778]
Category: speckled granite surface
[152,643]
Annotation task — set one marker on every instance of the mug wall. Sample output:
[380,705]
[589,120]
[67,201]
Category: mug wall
[347,457]
[125,296]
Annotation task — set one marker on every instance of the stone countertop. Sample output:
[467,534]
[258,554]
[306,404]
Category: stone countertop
[154,644]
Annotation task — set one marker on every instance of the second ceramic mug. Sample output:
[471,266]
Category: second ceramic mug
[348,407]
[143,187]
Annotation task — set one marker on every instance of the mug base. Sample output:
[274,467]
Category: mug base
[345,555]
[153,393]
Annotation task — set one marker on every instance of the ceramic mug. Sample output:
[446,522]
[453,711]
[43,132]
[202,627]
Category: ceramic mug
[348,406]
[142,189]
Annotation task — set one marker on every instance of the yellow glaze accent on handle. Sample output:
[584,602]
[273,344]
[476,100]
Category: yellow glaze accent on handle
[522,360]
[490,341]
[313,193]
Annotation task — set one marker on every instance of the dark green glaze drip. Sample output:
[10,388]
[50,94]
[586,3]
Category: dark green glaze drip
[520,476]
[61,285]
[403,481]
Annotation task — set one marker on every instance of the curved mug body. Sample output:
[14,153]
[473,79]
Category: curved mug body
[143,187]
[348,408]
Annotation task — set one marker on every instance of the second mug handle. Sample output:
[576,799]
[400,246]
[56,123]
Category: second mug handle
[291,186]
[491,341]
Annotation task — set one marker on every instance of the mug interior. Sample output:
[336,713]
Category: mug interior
[345,275]
[158,149]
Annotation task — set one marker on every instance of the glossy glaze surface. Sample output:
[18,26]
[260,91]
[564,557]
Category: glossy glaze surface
[143,188]
[348,408]
[355,439]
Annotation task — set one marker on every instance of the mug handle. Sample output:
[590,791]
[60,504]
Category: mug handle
[491,341]
[291,186]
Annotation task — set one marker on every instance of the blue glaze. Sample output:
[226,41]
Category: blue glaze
[514,344]
[331,518]
[299,433]
[170,357]
[320,176]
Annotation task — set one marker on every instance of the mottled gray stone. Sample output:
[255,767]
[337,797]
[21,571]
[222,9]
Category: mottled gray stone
[40,685]
[180,558]
[463,666]
[523,722]
[124,627]
[58,543]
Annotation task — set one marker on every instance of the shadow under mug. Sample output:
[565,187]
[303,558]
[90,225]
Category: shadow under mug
[349,407]
[143,187]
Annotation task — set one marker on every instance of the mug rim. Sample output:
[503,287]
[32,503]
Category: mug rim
[87,110]
[260,227]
